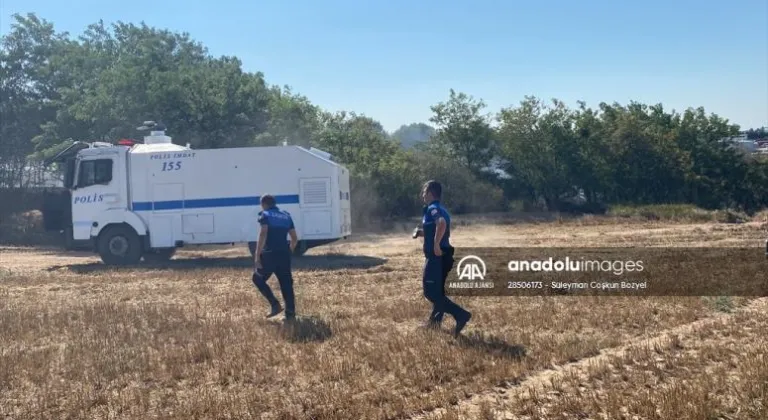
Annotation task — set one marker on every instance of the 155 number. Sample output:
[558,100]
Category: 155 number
[171,166]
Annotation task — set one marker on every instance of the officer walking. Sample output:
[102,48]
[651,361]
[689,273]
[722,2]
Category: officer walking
[273,256]
[438,252]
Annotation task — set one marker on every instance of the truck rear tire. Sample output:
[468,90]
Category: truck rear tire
[160,255]
[119,245]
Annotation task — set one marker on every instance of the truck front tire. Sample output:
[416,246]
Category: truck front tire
[119,245]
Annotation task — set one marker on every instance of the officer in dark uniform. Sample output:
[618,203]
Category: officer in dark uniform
[438,252]
[436,318]
[273,256]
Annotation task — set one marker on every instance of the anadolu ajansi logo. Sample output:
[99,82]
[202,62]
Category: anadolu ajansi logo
[471,267]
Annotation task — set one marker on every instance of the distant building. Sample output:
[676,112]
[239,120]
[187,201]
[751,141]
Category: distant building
[742,143]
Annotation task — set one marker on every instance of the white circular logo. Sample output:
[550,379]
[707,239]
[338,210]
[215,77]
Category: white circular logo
[474,269]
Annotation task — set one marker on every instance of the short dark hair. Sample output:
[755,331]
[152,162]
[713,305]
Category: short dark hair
[433,187]
[268,200]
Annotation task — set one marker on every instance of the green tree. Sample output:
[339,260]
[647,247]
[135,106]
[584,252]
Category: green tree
[413,134]
[292,119]
[538,143]
[110,81]
[355,140]
[463,133]
[26,91]
[759,133]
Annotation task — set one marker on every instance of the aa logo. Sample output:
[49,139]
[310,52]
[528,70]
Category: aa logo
[471,268]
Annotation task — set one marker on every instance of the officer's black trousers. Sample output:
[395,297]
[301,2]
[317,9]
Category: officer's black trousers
[279,264]
[447,263]
[434,290]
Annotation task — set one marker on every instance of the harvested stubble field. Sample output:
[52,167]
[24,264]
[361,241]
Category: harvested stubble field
[189,340]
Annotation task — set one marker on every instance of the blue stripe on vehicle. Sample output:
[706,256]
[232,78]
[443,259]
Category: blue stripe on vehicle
[142,205]
[169,205]
[201,203]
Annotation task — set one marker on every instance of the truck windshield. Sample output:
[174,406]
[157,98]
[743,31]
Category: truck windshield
[93,172]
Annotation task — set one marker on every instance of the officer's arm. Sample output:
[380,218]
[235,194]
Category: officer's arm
[440,231]
[262,236]
[294,238]
[440,225]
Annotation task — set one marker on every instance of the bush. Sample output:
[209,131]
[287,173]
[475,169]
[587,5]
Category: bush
[678,212]
[393,192]
[463,191]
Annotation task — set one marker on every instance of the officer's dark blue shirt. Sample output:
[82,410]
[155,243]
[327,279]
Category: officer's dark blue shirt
[279,222]
[432,213]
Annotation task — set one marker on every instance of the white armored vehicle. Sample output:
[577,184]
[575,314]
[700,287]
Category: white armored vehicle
[132,200]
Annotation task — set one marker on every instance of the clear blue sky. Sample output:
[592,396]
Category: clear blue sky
[393,59]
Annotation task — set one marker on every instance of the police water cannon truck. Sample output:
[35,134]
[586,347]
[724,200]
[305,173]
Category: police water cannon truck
[134,200]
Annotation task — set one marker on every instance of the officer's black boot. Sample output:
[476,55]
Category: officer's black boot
[276,309]
[461,322]
[435,319]
[285,278]
[266,291]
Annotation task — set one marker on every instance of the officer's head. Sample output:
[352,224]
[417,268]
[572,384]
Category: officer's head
[267,202]
[431,191]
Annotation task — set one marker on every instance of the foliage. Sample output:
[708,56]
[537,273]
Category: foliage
[634,154]
[463,133]
[413,134]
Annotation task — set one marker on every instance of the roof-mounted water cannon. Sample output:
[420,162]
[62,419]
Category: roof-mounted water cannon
[156,133]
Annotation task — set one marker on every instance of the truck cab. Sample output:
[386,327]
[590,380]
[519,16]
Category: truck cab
[94,209]
[95,197]
[100,185]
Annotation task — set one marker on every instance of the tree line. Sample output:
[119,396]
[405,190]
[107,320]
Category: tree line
[55,88]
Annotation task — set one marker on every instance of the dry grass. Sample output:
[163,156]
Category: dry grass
[715,372]
[190,341]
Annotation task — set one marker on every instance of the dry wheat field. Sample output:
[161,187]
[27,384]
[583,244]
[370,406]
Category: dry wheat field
[189,339]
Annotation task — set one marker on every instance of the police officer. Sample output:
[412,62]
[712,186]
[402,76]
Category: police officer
[438,252]
[436,318]
[273,256]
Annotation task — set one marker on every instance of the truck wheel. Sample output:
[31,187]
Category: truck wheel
[159,255]
[119,245]
[301,249]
